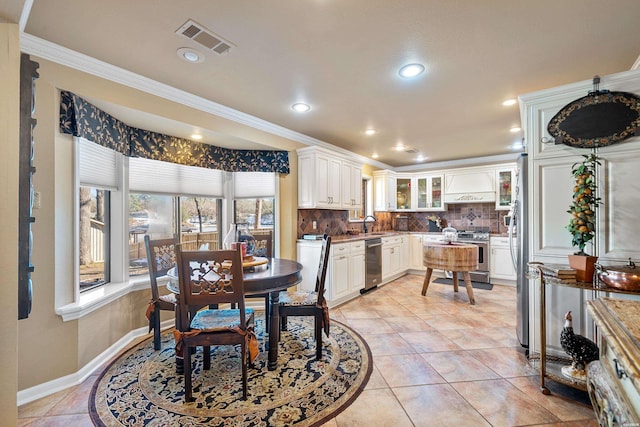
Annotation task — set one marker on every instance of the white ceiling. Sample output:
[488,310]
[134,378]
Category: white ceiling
[342,57]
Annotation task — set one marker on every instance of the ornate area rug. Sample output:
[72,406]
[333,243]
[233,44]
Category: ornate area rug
[141,387]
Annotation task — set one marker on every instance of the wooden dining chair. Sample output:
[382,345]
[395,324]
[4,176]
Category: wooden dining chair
[161,257]
[264,248]
[206,278]
[308,303]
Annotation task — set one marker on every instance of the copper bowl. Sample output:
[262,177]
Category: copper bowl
[624,277]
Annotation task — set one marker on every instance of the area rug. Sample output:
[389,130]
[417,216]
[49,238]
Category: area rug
[141,387]
[461,282]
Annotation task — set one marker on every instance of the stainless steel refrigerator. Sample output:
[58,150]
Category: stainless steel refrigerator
[520,248]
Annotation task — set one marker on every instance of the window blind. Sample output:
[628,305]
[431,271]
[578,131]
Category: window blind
[254,185]
[154,176]
[97,165]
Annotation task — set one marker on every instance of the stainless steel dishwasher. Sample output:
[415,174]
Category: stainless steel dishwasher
[373,263]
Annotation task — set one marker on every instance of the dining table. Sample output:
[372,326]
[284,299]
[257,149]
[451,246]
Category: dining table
[271,277]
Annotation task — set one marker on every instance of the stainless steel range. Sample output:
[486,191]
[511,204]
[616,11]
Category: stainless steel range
[481,239]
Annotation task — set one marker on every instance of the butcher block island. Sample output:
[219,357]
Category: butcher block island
[454,257]
[614,381]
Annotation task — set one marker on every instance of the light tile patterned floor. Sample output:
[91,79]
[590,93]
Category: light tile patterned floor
[438,361]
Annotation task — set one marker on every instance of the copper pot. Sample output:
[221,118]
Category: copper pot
[624,277]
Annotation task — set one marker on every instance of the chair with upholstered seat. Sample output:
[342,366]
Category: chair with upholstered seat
[161,257]
[307,303]
[264,248]
[206,278]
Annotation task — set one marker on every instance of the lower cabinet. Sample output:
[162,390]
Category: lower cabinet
[392,252]
[415,252]
[500,263]
[345,272]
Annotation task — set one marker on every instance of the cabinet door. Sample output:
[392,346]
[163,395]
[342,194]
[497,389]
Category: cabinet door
[505,181]
[422,193]
[403,193]
[404,253]
[395,259]
[386,261]
[384,186]
[306,183]
[327,183]
[339,276]
[435,194]
[415,252]
[351,186]
[501,265]
[356,272]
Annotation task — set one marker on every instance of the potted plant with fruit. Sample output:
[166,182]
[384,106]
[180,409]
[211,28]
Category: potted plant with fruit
[582,225]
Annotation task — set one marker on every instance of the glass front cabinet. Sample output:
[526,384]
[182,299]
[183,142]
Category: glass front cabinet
[403,194]
[505,182]
[429,193]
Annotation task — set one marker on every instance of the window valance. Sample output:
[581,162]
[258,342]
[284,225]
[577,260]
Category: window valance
[82,119]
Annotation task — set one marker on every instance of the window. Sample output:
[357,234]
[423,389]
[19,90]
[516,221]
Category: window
[94,237]
[367,201]
[254,207]
[98,178]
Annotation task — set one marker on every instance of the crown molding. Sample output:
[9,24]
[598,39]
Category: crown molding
[44,49]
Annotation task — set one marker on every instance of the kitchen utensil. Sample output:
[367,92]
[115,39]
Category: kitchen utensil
[625,277]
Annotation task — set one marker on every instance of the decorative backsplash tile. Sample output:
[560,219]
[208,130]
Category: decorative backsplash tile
[464,216]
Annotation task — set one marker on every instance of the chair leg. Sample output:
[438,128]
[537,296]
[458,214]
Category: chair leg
[283,323]
[206,357]
[188,392]
[244,352]
[267,312]
[318,332]
[155,320]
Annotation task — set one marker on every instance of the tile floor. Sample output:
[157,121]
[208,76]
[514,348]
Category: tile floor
[438,361]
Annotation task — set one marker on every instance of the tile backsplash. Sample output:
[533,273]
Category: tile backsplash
[464,216]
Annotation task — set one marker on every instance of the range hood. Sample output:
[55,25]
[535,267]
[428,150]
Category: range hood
[470,187]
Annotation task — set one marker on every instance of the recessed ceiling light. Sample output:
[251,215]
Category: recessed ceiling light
[420,158]
[399,147]
[374,155]
[515,129]
[411,70]
[509,102]
[518,145]
[196,136]
[301,107]
[190,55]
[370,132]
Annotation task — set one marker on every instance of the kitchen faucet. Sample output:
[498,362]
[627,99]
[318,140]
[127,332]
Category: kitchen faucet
[364,223]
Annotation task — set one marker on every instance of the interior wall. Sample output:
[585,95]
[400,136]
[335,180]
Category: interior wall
[71,345]
[9,135]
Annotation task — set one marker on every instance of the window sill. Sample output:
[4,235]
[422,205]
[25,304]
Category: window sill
[95,299]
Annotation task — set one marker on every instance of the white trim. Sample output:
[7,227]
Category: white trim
[24,16]
[58,54]
[45,389]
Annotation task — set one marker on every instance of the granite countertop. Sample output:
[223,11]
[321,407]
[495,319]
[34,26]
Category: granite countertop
[344,238]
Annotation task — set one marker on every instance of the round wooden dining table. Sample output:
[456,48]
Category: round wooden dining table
[276,275]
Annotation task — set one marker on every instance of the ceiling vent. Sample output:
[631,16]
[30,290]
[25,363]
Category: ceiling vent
[201,35]
[410,150]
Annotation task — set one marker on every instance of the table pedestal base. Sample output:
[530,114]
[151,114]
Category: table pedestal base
[467,280]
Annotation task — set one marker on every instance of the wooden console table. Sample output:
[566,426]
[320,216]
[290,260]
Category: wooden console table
[550,366]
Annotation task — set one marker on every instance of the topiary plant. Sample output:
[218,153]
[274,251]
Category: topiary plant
[582,225]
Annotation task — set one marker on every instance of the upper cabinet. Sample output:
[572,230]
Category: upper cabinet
[470,185]
[505,182]
[384,187]
[326,181]
[403,193]
[429,194]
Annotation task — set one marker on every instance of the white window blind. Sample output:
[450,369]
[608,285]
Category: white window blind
[98,165]
[154,176]
[254,185]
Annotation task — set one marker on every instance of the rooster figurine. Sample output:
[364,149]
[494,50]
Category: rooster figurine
[582,350]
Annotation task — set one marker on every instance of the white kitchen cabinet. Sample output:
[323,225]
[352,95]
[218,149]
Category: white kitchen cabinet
[404,253]
[428,193]
[384,187]
[356,266]
[404,193]
[337,284]
[327,181]
[345,270]
[500,265]
[391,254]
[505,187]
[415,252]
[550,195]
[351,185]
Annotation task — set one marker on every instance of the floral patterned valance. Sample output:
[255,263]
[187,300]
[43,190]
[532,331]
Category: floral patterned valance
[80,118]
